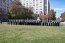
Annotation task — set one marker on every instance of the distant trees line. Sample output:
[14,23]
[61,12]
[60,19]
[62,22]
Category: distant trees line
[63,16]
[18,11]
[0,13]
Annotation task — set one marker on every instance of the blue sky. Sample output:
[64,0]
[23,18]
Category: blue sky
[58,6]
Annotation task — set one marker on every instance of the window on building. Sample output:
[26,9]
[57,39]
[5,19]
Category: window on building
[40,12]
[40,1]
[26,3]
[33,0]
[45,2]
[33,5]
[40,9]
[36,0]
[45,9]
[36,4]
[45,6]
[36,11]
[30,3]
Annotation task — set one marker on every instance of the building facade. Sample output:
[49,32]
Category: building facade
[38,6]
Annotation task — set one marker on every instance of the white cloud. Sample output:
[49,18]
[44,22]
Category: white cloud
[59,9]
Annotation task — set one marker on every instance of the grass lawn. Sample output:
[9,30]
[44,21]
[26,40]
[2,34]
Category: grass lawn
[31,34]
